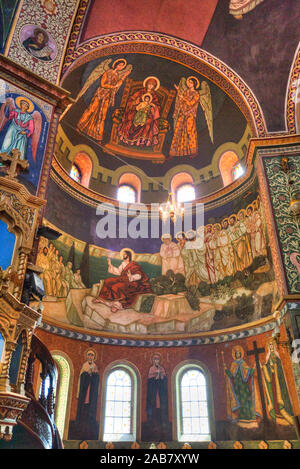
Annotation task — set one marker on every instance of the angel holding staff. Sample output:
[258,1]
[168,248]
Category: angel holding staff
[110,80]
[185,142]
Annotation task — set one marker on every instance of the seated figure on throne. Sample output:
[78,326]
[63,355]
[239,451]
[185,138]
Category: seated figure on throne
[120,292]
[145,134]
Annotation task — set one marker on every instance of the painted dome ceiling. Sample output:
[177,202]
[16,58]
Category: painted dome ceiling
[122,126]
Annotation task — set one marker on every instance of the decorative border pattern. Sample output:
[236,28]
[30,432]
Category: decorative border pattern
[187,342]
[293,87]
[173,49]
[58,25]
[288,227]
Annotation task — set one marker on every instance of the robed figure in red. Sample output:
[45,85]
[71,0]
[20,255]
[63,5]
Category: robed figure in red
[121,292]
[141,134]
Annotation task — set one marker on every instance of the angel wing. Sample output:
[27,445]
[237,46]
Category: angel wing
[96,73]
[37,118]
[182,87]
[9,102]
[206,104]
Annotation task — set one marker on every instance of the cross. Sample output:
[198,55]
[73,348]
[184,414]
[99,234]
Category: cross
[256,352]
[15,164]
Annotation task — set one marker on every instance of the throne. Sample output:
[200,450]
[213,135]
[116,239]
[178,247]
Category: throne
[154,153]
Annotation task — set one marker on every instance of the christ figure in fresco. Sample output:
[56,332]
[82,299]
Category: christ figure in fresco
[120,292]
[243,405]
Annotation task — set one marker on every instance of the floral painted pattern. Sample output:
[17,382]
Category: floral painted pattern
[281,187]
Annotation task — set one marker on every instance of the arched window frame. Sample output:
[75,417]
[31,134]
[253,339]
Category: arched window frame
[83,162]
[180,180]
[176,394]
[135,401]
[227,164]
[131,187]
[63,392]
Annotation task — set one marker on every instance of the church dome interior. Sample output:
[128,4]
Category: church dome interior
[149,224]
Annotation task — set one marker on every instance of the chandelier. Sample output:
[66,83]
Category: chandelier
[171,209]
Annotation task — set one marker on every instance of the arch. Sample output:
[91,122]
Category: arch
[63,392]
[133,181]
[228,163]
[182,187]
[192,402]
[85,166]
[120,403]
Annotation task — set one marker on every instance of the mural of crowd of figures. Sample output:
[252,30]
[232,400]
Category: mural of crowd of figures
[218,276]
[256,403]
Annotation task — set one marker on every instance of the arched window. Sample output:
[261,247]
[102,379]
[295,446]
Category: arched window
[8,240]
[120,405]
[126,194]
[82,167]
[2,347]
[185,193]
[75,173]
[129,188]
[62,391]
[182,186]
[193,419]
[230,167]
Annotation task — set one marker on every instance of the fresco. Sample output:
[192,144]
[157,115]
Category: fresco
[38,43]
[217,276]
[24,125]
[85,424]
[153,110]
[258,404]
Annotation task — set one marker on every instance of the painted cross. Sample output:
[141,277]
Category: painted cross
[13,164]
[256,352]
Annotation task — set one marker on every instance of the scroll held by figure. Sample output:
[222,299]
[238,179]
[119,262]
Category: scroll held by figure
[109,80]
[185,137]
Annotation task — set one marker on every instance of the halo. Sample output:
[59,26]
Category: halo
[91,350]
[242,211]
[179,235]
[156,354]
[127,249]
[147,94]
[166,235]
[250,206]
[189,233]
[195,78]
[225,219]
[217,225]
[153,78]
[119,60]
[30,104]
[238,348]
[232,216]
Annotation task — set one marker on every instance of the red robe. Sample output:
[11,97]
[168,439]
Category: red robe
[141,135]
[122,290]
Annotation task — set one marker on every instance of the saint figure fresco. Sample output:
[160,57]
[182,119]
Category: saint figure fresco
[139,124]
[109,80]
[277,398]
[243,403]
[185,138]
[24,125]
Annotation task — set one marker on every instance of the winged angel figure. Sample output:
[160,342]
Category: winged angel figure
[185,142]
[110,80]
[24,125]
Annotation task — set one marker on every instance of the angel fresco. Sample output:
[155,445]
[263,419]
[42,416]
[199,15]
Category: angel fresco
[24,124]
[110,79]
[185,140]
